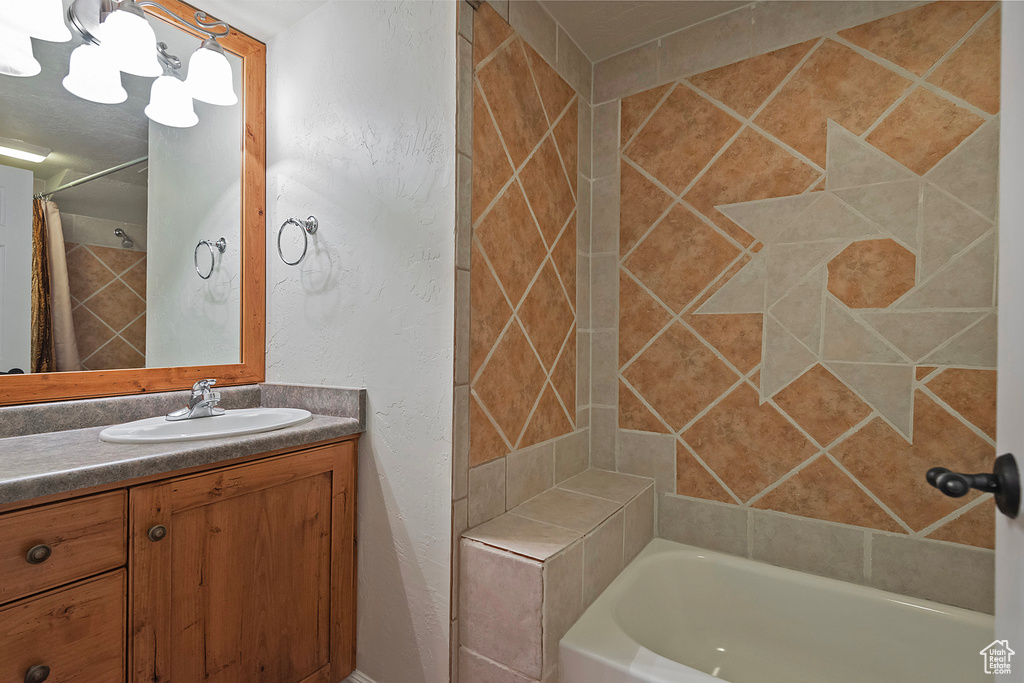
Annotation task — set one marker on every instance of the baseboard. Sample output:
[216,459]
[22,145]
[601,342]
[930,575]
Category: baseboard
[358,676]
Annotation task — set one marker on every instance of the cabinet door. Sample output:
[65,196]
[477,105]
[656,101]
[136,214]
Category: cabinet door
[252,577]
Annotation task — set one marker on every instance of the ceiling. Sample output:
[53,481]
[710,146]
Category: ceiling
[603,28]
[261,19]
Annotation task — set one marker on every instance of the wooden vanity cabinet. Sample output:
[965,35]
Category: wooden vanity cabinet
[240,574]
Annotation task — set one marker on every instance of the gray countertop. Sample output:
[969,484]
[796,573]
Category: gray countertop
[58,462]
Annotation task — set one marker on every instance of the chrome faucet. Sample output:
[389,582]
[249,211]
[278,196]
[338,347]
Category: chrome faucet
[203,402]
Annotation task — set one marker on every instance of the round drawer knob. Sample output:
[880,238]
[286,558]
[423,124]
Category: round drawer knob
[37,674]
[37,555]
[157,533]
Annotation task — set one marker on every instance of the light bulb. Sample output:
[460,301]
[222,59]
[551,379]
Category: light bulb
[171,104]
[16,58]
[131,40]
[94,77]
[209,75]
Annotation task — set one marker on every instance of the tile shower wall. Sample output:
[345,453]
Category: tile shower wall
[806,306]
[523,277]
[108,299]
[522,236]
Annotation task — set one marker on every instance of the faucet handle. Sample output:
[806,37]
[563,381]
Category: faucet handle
[203,386]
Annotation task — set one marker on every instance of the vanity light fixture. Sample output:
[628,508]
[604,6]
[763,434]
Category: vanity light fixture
[209,75]
[170,102]
[131,40]
[20,22]
[94,76]
[17,149]
[119,38]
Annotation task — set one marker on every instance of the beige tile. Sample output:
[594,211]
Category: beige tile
[605,215]
[617,487]
[584,214]
[604,291]
[778,24]
[606,139]
[501,595]
[604,367]
[583,418]
[535,25]
[567,509]
[523,536]
[971,171]
[465,20]
[602,557]
[704,524]
[627,72]
[639,524]
[460,448]
[460,521]
[475,668]
[976,347]
[486,491]
[563,599]
[572,65]
[501,7]
[462,326]
[708,45]
[586,132]
[807,545]
[648,455]
[948,228]
[464,215]
[965,282]
[583,368]
[453,650]
[529,472]
[583,296]
[602,437]
[949,573]
[464,108]
[571,455]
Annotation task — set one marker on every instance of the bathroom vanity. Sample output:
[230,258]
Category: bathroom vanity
[236,565]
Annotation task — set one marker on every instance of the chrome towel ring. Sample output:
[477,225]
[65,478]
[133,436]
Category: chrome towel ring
[220,244]
[308,227]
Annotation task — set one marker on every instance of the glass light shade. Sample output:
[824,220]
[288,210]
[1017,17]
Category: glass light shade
[93,76]
[16,58]
[171,104]
[132,43]
[42,19]
[209,78]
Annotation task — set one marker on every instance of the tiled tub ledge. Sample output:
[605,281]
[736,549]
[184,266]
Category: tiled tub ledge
[528,575]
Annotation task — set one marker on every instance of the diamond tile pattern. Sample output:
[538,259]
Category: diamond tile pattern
[524,258]
[108,287]
[838,252]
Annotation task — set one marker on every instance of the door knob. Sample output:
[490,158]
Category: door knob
[1004,483]
[38,554]
[157,533]
[37,674]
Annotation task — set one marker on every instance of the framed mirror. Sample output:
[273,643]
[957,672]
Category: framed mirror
[132,232]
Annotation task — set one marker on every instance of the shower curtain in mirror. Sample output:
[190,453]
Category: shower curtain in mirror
[53,334]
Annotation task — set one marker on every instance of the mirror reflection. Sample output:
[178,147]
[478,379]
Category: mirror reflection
[120,214]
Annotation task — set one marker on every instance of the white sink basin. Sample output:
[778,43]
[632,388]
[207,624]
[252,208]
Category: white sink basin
[230,423]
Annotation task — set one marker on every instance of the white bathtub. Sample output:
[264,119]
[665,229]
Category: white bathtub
[678,614]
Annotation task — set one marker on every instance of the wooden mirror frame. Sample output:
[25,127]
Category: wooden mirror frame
[61,386]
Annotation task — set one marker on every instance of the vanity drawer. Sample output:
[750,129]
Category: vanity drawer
[84,537]
[78,632]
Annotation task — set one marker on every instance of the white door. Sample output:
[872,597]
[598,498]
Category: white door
[15,268]
[1010,437]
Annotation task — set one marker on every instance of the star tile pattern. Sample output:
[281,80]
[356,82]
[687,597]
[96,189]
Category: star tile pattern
[807,272]
[523,267]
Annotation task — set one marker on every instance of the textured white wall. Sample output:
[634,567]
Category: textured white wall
[361,133]
[194,194]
